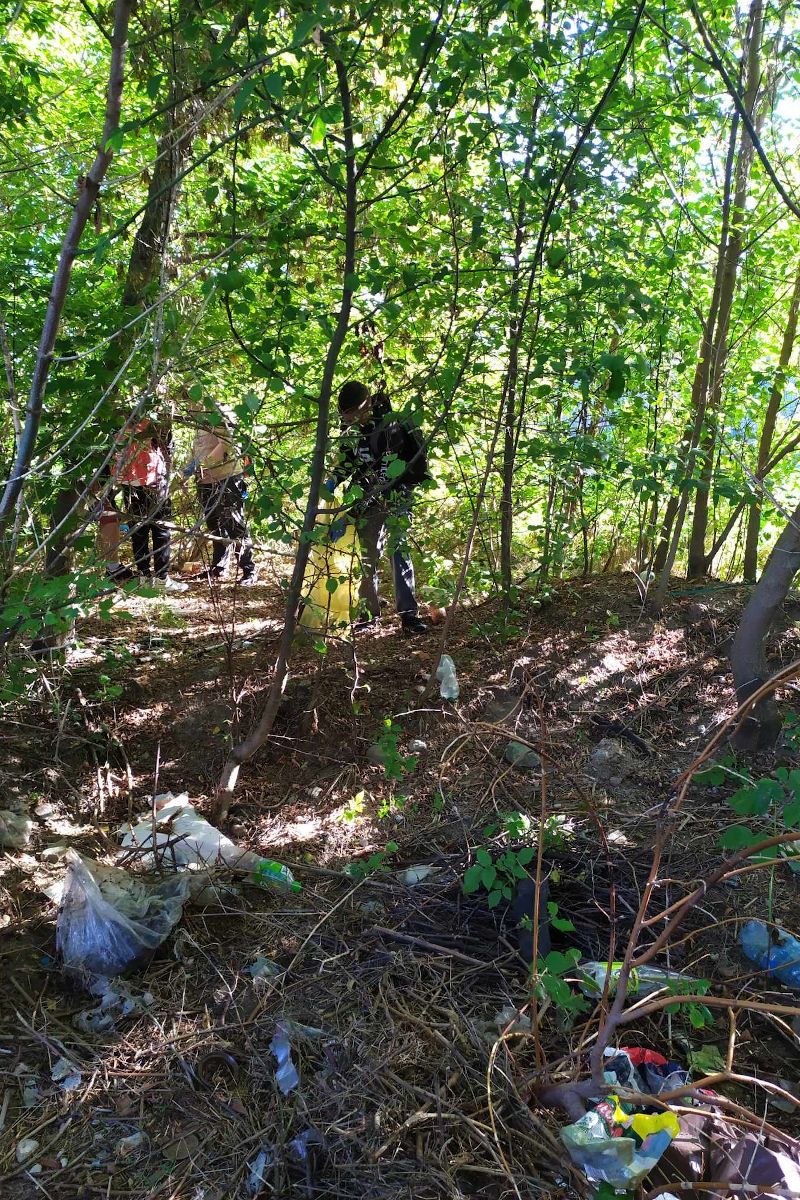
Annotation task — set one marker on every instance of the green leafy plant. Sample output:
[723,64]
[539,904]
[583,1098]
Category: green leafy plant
[375,864]
[774,798]
[699,1015]
[550,981]
[107,690]
[391,805]
[355,809]
[498,876]
[395,763]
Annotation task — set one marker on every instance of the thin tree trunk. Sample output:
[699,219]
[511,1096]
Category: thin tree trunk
[251,744]
[512,373]
[677,505]
[698,562]
[13,404]
[69,249]
[748,653]
[768,432]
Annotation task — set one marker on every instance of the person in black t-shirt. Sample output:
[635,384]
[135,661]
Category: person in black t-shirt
[386,461]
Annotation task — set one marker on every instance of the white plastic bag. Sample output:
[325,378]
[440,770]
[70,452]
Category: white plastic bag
[109,920]
[184,838]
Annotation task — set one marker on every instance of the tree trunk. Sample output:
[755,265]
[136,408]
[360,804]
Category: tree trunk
[767,433]
[69,249]
[728,270]
[512,374]
[251,744]
[748,653]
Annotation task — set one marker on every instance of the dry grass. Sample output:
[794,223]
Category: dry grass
[410,1087]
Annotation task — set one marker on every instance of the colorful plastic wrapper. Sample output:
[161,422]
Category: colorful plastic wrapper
[617,1142]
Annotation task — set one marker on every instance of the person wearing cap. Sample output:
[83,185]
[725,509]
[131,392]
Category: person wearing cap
[386,460]
[141,468]
[222,491]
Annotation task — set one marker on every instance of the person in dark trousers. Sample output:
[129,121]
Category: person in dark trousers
[142,471]
[386,460]
[221,490]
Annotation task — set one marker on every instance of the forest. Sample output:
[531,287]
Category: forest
[399,719]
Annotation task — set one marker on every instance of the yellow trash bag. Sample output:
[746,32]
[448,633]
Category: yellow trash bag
[326,606]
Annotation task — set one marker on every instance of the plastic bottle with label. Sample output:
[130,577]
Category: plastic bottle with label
[642,981]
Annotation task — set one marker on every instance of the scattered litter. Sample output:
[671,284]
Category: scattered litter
[53,853]
[297,1029]
[448,680]
[262,968]
[790,854]
[15,829]
[414,875]
[31,1095]
[710,1149]
[183,838]
[522,757]
[109,920]
[286,1074]
[67,1074]
[299,1145]
[417,746]
[129,1145]
[258,1167]
[116,1002]
[781,958]
[642,981]
[616,1142]
[43,810]
[26,1148]
[608,762]
[510,1016]
[376,754]
[781,1102]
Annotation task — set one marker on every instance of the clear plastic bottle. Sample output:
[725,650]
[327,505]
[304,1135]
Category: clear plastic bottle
[448,680]
[780,958]
[642,981]
[273,874]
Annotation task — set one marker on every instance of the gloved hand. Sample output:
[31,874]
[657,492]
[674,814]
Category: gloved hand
[337,529]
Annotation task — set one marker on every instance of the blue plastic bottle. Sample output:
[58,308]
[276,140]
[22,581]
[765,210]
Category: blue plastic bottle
[780,958]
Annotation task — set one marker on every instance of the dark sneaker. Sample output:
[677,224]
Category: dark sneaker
[365,622]
[119,574]
[413,625]
[249,580]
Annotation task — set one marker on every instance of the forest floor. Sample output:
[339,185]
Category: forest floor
[394,991]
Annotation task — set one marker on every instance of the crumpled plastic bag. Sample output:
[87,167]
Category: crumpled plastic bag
[15,829]
[617,1142]
[109,921]
[711,1149]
